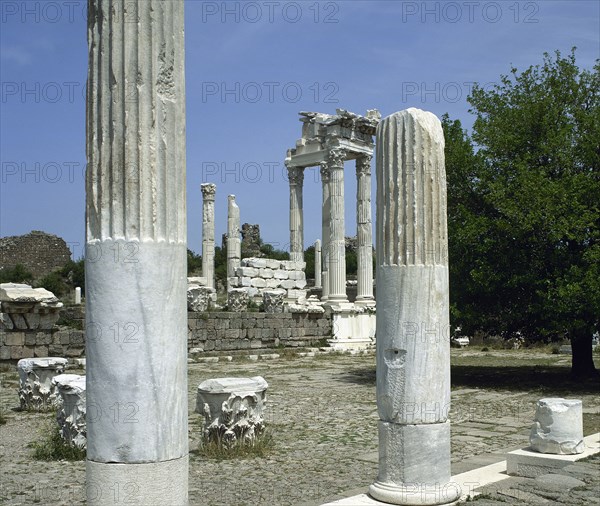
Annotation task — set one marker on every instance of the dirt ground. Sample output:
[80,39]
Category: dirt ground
[322,415]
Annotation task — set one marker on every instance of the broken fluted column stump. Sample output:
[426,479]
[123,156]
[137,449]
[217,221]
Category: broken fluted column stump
[558,427]
[36,390]
[71,412]
[233,409]
[413,349]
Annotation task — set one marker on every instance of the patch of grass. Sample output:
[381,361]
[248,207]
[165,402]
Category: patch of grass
[70,322]
[485,348]
[53,447]
[214,450]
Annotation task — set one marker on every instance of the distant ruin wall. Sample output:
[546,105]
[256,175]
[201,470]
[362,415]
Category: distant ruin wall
[40,253]
[209,332]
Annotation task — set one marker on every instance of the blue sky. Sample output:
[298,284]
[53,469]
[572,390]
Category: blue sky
[251,67]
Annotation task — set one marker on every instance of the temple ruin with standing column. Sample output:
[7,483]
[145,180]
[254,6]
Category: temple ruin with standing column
[329,140]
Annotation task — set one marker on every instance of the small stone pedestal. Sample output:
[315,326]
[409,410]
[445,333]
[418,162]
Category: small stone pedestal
[233,409]
[237,300]
[558,427]
[71,414]
[36,391]
[273,301]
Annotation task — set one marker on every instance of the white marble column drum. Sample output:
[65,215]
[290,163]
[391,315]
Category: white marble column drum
[364,232]
[208,233]
[337,230]
[234,242]
[296,180]
[413,351]
[325,217]
[135,260]
[318,282]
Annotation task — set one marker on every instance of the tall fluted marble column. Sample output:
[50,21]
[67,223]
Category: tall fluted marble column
[337,230]
[296,180]
[325,218]
[413,351]
[364,232]
[234,242]
[318,283]
[136,310]
[208,233]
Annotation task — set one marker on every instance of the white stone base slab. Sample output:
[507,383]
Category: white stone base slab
[151,484]
[352,330]
[531,464]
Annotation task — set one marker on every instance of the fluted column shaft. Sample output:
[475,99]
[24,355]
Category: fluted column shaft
[364,231]
[337,230]
[208,233]
[234,242]
[325,217]
[136,310]
[318,283]
[413,351]
[296,180]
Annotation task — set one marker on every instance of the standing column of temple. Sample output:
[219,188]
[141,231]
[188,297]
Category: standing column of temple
[364,232]
[136,310]
[413,352]
[296,180]
[318,264]
[234,242]
[208,233]
[337,231]
[325,217]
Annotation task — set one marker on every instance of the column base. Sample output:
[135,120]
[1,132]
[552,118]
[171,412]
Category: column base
[367,302]
[145,484]
[415,494]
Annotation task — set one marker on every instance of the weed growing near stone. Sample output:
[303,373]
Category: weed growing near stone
[53,447]
[215,450]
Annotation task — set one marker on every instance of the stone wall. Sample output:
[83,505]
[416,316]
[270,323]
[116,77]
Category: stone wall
[39,252]
[245,331]
[258,274]
[68,343]
[209,332]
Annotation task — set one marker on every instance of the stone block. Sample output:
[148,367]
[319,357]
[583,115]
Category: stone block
[558,427]
[40,351]
[245,281]
[266,273]
[280,274]
[259,283]
[30,339]
[15,338]
[256,263]
[28,352]
[288,284]
[299,284]
[273,264]
[5,352]
[273,283]
[246,272]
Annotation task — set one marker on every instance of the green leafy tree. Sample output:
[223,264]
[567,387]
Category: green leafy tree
[194,263]
[524,223]
[16,274]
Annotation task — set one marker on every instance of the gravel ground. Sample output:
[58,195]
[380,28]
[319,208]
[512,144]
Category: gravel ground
[321,412]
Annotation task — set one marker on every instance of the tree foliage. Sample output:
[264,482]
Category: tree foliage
[524,207]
